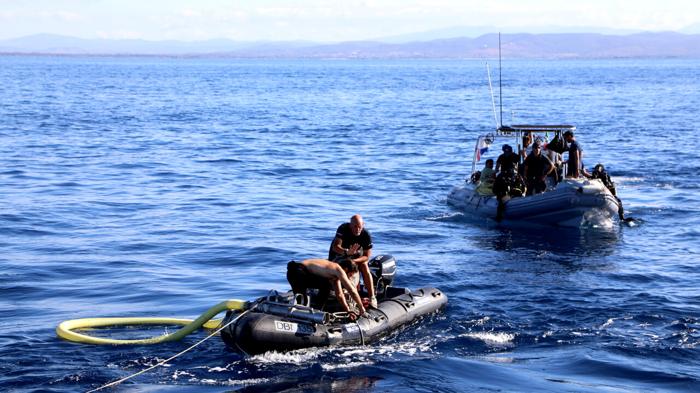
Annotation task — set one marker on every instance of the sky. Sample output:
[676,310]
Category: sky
[325,20]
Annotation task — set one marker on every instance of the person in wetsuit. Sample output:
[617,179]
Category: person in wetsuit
[600,173]
[353,241]
[325,276]
[508,184]
[537,168]
[507,160]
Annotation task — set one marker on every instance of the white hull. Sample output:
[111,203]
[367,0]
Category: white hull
[573,203]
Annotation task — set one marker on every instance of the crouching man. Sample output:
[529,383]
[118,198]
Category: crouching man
[325,275]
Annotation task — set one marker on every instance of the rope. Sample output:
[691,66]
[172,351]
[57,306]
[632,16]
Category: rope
[65,329]
[117,382]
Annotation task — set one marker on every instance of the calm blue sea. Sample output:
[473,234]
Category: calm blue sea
[162,186]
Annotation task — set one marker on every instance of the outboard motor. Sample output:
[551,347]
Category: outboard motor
[383,270]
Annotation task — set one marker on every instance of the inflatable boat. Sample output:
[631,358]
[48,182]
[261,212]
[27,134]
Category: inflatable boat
[284,322]
[572,202]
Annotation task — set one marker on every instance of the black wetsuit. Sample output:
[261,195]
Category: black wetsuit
[345,233]
[608,183]
[301,279]
[605,178]
[536,167]
[507,161]
[507,183]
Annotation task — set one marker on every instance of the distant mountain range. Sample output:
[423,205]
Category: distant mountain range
[477,31]
[563,45]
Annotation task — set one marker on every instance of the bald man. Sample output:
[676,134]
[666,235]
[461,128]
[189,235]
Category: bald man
[354,242]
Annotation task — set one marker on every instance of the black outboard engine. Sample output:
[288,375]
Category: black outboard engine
[383,270]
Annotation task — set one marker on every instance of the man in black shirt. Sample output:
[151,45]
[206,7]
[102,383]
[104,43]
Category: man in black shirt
[353,241]
[508,160]
[574,165]
[537,167]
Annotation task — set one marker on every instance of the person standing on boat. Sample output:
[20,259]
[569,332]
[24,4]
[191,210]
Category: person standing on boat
[537,168]
[508,160]
[556,175]
[525,151]
[354,242]
[574,163]
[325,275]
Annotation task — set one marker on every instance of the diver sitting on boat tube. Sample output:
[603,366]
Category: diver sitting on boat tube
[325,276]
[600,173]
[486,178]
[508,184]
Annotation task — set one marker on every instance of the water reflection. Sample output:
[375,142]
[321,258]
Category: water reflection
[561,241]
[323,383]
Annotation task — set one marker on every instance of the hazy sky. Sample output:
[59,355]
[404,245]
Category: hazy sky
[321,20]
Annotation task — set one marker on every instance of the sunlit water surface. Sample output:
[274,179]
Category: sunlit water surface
[157,186]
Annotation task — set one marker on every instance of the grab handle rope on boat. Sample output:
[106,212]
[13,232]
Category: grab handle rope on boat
[65,329]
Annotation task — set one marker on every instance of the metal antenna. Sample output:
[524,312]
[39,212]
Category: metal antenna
[493,99]
[500,85]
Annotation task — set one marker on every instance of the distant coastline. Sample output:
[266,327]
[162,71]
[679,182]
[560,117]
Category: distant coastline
[525,46]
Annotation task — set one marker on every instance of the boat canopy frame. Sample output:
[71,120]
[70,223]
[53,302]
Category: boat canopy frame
[536,128]
[516,131]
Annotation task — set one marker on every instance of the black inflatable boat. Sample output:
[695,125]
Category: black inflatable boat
[283,322]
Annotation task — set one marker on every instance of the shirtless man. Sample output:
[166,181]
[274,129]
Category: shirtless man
[325,275]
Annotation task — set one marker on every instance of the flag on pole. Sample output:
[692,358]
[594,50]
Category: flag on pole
[481,148]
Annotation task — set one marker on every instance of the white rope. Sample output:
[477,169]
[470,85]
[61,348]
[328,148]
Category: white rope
[493,100]
[117,382]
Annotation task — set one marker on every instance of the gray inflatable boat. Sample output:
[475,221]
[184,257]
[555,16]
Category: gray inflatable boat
[573,203]
[282,322]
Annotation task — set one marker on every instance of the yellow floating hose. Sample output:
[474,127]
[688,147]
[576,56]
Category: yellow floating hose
[65,329]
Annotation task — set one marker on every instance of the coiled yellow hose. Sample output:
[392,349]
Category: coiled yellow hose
[65,329]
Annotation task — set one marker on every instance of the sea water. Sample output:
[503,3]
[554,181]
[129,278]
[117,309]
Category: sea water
[161,186]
